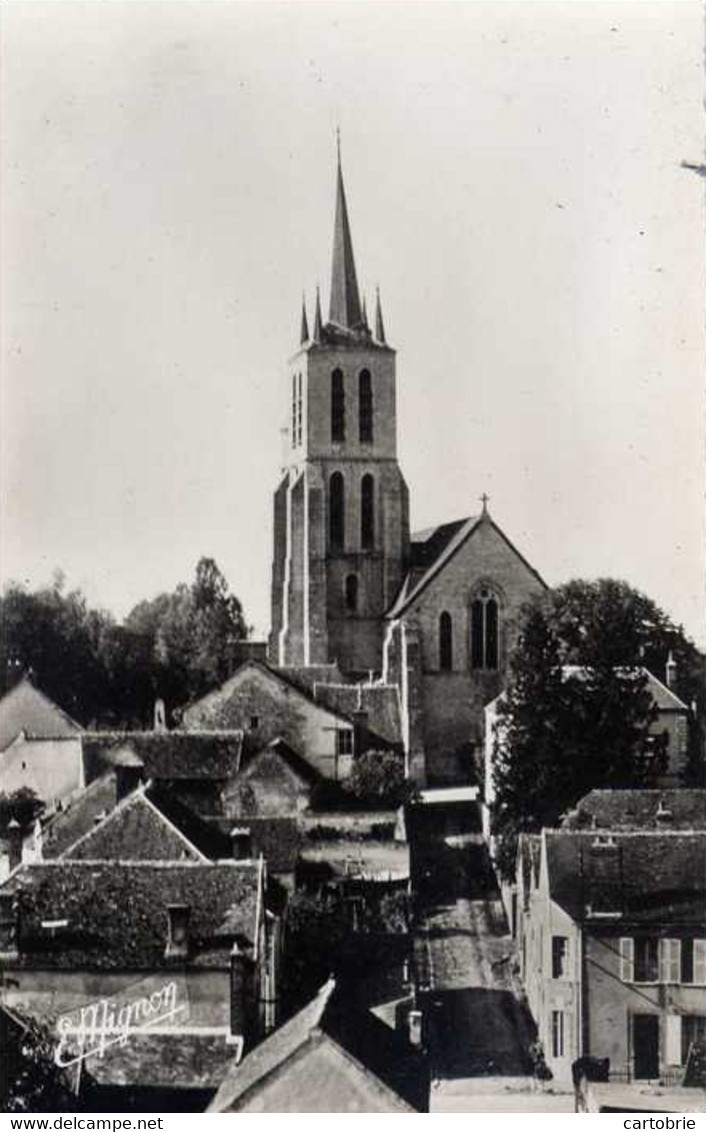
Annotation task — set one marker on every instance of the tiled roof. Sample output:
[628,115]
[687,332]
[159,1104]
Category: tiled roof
[638,809]
[212,708]
[646,877]
[79,817]
[117,911]
[169,755]
[26,708]
[280,748]
[432,549]
[136,830]
[380,701]
[370,1047]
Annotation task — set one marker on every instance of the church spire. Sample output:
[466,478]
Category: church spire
[379,324]
[344,306]
[304,336]
[316,337]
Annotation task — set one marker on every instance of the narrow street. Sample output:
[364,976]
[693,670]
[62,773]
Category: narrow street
[478,1032]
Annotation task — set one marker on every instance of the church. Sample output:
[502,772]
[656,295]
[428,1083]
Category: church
[432,613]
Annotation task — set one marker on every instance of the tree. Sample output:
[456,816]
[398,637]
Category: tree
[562,734]
[378,779]
[22,806]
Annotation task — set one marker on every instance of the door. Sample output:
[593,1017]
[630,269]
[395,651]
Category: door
[645,1034]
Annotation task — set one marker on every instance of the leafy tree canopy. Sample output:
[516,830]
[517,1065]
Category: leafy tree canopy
[22,806]
[176,645]
[561,736]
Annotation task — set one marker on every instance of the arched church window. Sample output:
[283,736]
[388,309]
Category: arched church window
[352,593]
[446,646]
[338,408]
[336,511]
[484,631]
[367,512]
[365,407]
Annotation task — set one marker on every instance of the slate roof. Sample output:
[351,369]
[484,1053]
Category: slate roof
[654,877]
[376,1051]
[381,702]
[170,755]
[638,809]
[26,708]
[117,911]
[431,550]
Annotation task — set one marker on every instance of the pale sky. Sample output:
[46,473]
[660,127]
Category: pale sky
[514,186]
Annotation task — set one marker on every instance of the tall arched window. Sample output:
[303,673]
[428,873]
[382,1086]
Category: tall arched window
[337,511]
[338,408]
[367,512]
[446,642]
[484,631]
[352,593]
[365,407]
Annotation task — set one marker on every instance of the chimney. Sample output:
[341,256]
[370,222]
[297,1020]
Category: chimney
[671,671]
[664,816]
[9,927]
[360,731]
[14,838]
[414,1022]
[241,840]
[127,779]
[238,994]
[177,931]
[160,715]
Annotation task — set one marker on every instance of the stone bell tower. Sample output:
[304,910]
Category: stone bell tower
[341,526]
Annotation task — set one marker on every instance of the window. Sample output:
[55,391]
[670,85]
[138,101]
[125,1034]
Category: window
[445,642]
[484,631]
[367,512]
[344,742]
[336,506]
[352,593]
[560,957]
[670,961]
[338,408]
[254,722]
[557,1033]
[365,407]
[693,961]
[646,960]
[296,409]
[693,1029]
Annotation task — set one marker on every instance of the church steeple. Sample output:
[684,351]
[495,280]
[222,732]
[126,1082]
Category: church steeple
[344,306]
[318,329]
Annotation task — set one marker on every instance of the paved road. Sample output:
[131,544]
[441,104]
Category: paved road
[477,1025]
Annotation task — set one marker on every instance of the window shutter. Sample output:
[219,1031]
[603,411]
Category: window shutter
[670,961]
[700,962]
[627,959]
[673,1039]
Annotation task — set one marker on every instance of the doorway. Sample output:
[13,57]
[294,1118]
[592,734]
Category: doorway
[645,1032]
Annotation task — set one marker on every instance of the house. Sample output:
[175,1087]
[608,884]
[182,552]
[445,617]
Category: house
[668,732]
[327,723]
[274,781]
[60,769]
[26,708]
[612,943]
[75,931]
[333,1056]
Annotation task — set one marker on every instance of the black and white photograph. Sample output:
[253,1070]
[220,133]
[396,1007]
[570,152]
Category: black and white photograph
[352,557]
